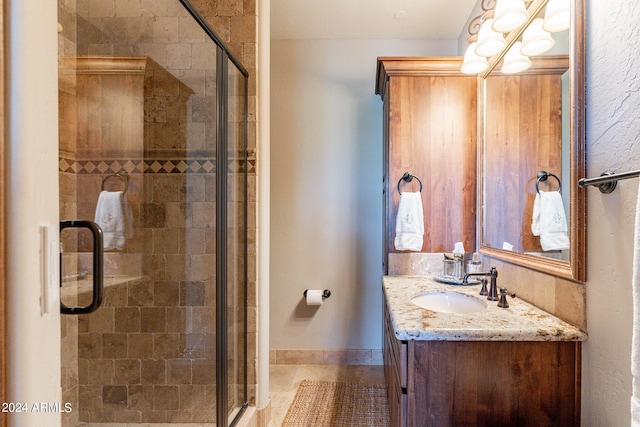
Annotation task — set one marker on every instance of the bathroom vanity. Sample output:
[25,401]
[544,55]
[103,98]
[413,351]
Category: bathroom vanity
[495,367]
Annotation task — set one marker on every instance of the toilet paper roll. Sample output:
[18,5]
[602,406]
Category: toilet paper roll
[314,297]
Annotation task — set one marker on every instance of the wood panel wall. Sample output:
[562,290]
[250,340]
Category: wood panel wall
[430,131]
[523,135]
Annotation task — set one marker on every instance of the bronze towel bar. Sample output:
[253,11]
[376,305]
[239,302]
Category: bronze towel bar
[608,181]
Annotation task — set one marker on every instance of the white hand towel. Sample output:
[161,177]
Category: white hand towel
[114,216]
[635,339]
[549,221]
[409,223]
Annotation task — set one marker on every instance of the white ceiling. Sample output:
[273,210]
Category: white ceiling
[369,19]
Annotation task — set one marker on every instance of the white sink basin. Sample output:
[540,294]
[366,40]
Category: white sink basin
[449,302]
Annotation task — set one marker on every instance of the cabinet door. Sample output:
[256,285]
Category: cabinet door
[494,383]
[432,134]
[395,371]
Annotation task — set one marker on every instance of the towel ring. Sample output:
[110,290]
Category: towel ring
[408,177]
[543,176]
[116,175]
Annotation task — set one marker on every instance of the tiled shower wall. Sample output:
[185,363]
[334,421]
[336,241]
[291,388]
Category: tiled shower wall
[148,354]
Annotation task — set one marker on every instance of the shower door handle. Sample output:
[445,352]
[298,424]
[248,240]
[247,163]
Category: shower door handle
[98,267]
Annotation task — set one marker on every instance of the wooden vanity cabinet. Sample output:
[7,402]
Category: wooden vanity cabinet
[430,128]
[481,383]
[395,373]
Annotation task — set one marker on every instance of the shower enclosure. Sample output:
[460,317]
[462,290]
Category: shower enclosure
[153,115]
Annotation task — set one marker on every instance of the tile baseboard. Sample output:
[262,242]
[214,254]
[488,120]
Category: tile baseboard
[325,357]
[264,415]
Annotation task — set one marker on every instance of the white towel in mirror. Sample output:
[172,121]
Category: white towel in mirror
[549,221]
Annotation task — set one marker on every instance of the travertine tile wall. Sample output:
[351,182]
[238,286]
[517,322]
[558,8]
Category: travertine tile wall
[149,354]
[560,297]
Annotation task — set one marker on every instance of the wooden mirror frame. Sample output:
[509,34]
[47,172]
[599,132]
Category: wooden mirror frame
[575,268]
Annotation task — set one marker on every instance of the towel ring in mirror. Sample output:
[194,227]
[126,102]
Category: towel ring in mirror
[116,175]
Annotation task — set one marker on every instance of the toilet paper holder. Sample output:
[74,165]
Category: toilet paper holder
[325,294]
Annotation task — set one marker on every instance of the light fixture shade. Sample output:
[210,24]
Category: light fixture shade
[535,40]
[509,15]
[490,42]
[473,63]
[557,15]
[514,61]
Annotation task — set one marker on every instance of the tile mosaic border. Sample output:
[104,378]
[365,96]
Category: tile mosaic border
[156,166]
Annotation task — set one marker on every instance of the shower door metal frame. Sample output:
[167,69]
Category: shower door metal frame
[222,73]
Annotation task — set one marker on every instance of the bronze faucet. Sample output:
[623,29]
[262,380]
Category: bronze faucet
[493,288]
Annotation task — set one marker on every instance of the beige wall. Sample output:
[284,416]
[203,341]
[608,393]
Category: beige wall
[326,196]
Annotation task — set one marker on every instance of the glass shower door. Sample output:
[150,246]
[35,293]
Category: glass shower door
[142,121]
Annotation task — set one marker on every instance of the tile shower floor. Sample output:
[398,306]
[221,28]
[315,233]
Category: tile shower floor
[284,381]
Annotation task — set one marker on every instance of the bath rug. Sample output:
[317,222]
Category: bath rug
[336,404]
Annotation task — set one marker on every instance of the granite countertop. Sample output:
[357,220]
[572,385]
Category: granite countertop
[520,322]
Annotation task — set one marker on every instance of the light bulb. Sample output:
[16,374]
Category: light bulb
[473,63]
[557,16]
[514,61]
[535,40]
[509,15]
[490,42]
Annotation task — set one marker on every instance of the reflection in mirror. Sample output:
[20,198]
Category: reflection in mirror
[522,138]
[532,133]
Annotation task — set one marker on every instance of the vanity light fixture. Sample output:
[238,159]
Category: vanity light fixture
[535,40]
[509,15]
[514,60]
[473,63]
[485,42]
[490,41]
[557,15]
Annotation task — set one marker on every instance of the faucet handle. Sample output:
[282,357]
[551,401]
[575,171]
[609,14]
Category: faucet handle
[503,298]
[483,290]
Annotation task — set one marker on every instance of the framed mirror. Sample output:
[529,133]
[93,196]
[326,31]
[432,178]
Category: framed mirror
[532,152]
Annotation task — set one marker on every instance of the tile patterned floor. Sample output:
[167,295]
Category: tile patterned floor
[284,381]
